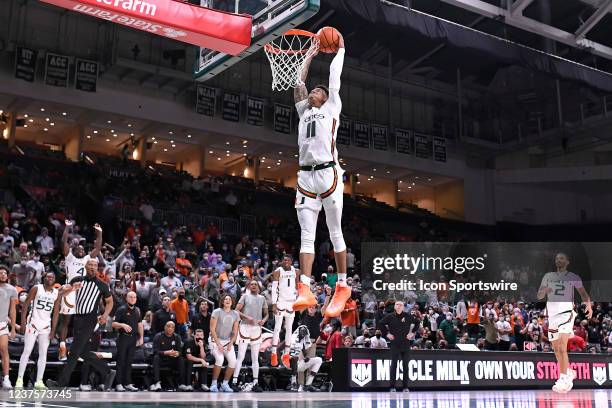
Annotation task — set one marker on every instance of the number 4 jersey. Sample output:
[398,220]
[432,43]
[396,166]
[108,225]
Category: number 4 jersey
[563,284]
[42,308]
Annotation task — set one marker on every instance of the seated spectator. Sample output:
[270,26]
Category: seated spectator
[167,353]
[195,354]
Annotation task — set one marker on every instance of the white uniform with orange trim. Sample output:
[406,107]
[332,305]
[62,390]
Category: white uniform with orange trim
[560,302]
[317,145]
[75,267]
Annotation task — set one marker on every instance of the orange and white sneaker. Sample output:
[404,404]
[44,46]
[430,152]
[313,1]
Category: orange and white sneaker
[274,359]
[286,360]
[62,355]
[305,298]
[338,301]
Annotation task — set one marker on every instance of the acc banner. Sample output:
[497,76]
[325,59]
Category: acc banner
[255,111]
[231,106]
[439,149]
[56,70]
[361,369]
[379,137]
[361,134]
[282,118]
[206,102]
[403,141]
[25,64]
[343,135]
[86,75]
[422,146]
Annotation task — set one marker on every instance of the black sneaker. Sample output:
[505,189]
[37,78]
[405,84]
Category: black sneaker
[108,381]
[256,388]
[311,388]
[52,384]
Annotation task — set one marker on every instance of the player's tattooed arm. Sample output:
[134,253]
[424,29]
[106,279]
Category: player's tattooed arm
[300,92]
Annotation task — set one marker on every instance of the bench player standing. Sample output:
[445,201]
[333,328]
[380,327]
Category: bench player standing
[75,267]
[320,180]
[284,295]
[8,299]
[40,326]
[558,288]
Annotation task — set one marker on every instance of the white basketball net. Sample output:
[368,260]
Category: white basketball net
[287,55]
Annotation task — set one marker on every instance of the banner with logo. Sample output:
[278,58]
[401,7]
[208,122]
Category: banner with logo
[255,111]
[25,64]
[56,69]
[363,369]
[403,141]
[206,100]
[86,75]
[379,137]
[343,135]
[361,134]
[282,118]
[422,146]
[439,149]
[231,107]
[181,21]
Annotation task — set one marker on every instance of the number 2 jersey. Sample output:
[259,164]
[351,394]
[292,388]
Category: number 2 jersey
[42,307]
[563,285]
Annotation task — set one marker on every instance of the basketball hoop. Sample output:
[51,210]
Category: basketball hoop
[287,55]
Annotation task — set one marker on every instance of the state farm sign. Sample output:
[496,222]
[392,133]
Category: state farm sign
[221,31]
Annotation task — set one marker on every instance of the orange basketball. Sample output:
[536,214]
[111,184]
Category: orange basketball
[329,39]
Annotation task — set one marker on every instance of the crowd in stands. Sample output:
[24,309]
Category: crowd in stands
[181,272]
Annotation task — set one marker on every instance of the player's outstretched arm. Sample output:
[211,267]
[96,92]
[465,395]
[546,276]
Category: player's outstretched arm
[300,92]
[335,72]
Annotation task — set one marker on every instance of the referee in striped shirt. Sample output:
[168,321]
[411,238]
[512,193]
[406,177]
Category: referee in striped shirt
[89,291]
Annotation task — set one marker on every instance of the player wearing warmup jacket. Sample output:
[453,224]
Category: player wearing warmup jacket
[75,267]
[40,326]
[320,180]
[558,288]
[284,295]
[253,310]
[223,334]
[300,362]
[8,300]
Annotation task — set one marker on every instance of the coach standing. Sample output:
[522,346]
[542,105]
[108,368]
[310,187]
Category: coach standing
[89,291]
[401,328]
[131,332]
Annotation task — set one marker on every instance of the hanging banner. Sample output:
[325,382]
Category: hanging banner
[403,141]
[282,118]
[439,149]
[25,64]
[379,137]
[422,146]
[86,75]
[361,134]
[255,111]
[225,32]
[56,70]
[343,135]
[206,100]
[231,107]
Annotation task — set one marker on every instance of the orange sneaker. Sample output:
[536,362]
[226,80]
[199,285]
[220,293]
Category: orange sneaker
[338,301]
[62,352]
[274,359]
[286,361]
[305,298]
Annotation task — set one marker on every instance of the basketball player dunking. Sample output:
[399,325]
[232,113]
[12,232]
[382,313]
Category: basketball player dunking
[284,295]
[320,180]
[75,267]
[558,288]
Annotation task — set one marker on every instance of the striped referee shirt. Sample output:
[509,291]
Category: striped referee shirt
[88,296]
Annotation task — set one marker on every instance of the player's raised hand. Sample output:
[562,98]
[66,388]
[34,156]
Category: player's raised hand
[98,228]
[340,40]
[589,310]
[68,223]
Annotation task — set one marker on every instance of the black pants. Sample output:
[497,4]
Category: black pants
[126,347]
[176,364]
[202,374]
[83,328]
[503,345]
[490,346]
[398,353]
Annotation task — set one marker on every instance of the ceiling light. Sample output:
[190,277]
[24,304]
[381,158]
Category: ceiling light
[268,167]
[401,181]
[263,158]
[357,174]
[218,158]
[114,135]
[95,131]
[155,142]
[278,164]
[227,154]
[42,109]
[227,143]
[359,182]
[416,177]
[172,141]
[399,190]
[280,152]
[25,116]
[112,131]
[46,130]
[244,154]
[409,186]
[46,119]
[108,121]
[245,146]
[108,140]
[30,120]
[388,172]
[227,151]
[373,169]
[170,132]
[428,179]
[52,124]
[89,136]
[131,134]
[129,125]
[173,145]
[210,151]
[165,150]
[63,113]
[245,141]
[295,155]
[153,138]
[189,136]
[25,126]
[413,184]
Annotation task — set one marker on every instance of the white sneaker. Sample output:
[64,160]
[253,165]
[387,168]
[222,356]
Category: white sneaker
[214,387]
[155,387]
[19,383]
[85,387]
[39,385]
[563,385]
[226,388]
[301,388]
[571,374]
[6,384]
[119,388]
[205,388]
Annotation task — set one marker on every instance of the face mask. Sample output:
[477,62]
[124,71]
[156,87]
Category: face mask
[378,335]
[449,318]
[534,321]
[181,296]
[142,278]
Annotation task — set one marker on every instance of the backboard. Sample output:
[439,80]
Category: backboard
[271,18]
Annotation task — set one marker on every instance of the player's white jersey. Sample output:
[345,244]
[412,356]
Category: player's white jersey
[75,266]
[42,307]
[287,291]
[563,285]
[317,133]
